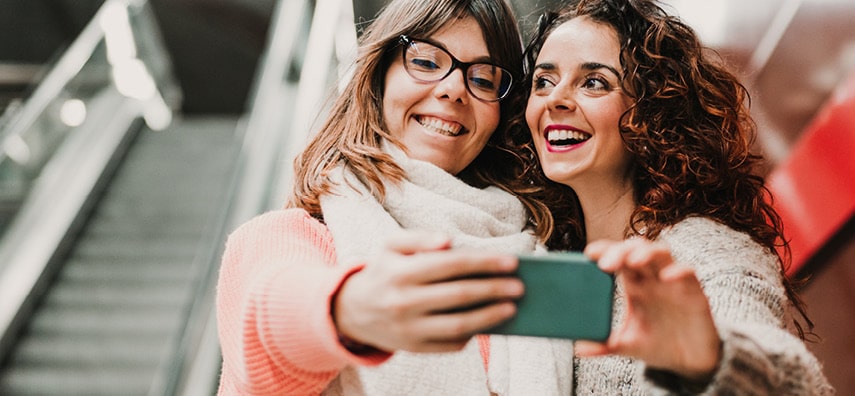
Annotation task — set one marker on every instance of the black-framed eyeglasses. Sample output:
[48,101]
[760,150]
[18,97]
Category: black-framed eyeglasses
[428,62]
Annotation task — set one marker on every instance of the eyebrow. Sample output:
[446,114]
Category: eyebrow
[480,59]
[590,66]
[596,66]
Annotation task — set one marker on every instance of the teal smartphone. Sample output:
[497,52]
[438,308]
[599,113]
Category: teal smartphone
[566,296]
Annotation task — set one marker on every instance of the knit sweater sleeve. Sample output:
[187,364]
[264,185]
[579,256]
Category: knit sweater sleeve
[744,287]
[276,281]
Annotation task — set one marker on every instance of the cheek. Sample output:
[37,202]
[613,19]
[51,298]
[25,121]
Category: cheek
[387,108]
[390,120]
[532,117]
[492,118]
[394,104]
[487,117]
[608,113]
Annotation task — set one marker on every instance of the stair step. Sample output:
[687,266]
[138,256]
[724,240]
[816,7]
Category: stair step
[117,305]
[105,353]
[74,381]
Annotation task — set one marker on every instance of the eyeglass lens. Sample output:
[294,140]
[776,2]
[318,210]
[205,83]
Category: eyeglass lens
[429,63]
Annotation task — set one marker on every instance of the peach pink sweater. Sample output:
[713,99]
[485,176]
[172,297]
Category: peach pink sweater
[277,277]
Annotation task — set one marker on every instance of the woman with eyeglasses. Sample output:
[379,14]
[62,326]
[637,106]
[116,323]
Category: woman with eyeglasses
[632,123]
[335,294]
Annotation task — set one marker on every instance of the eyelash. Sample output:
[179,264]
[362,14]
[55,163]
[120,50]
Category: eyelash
[605,84]
[540,82]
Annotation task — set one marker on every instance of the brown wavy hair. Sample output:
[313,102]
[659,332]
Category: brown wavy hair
[689,131]
[354,128]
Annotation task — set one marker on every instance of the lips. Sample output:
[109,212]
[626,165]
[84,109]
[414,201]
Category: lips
[440,126]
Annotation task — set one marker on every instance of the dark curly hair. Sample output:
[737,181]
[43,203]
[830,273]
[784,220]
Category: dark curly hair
[689,131]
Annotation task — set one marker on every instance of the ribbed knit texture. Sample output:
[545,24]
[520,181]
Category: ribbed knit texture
[743,284]
[277,277]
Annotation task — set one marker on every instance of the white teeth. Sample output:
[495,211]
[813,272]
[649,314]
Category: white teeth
[556,135]
[439,126]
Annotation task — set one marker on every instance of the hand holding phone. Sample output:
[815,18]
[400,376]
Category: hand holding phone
[566,296]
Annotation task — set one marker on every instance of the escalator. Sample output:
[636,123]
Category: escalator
[114,313]
[114,209]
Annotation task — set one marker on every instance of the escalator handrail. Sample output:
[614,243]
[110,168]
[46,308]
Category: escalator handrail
[263,139]
[195,366]
[56,203]
[267,144]
[60,74]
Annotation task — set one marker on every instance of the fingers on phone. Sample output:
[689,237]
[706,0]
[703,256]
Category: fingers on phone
[648,256]
[450,265]
[463,294]
[448,331]
[595,249]
[477,319]
[638,258]
[589,348]
[611,256]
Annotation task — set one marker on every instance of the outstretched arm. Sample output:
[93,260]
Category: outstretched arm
[276,282]
[290,318]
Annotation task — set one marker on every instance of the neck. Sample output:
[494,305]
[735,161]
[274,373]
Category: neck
[607,212]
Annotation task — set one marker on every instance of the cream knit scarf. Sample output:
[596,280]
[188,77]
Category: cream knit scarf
[491,219]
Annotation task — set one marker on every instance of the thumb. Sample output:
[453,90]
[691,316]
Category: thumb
[589,349]
[414,241]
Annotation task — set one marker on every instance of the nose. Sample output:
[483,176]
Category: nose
[453,87]
[562,98]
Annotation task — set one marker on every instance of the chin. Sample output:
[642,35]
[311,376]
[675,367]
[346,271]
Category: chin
[558,176]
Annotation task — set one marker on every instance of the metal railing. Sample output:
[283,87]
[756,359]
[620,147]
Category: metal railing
[64,138]
[311,44]
[113,80]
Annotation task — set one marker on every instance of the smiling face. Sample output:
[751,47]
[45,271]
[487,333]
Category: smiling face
[575,107]
[441,122]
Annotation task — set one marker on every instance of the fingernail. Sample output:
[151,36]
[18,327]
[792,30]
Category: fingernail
[508,262]
[515,288]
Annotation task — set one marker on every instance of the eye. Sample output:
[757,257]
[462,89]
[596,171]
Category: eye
[423,63]
[484,77]
[482,83]
[423,57]
[596,84]
[541,82]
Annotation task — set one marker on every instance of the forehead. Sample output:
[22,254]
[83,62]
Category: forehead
[462,37]
[581,39]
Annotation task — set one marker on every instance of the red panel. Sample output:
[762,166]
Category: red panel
[814,188]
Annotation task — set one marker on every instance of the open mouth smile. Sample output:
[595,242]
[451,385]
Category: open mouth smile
[441,126]
[558,137]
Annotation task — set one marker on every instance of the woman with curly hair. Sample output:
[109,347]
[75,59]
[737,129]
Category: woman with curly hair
[640,147]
